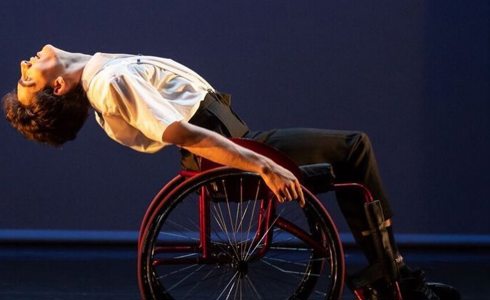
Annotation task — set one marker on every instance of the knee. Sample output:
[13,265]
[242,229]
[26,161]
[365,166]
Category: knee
[361,139]
[359,145]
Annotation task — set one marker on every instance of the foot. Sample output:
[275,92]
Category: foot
[414,287]
[444,291]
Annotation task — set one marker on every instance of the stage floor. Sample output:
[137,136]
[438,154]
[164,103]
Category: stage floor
[49,273]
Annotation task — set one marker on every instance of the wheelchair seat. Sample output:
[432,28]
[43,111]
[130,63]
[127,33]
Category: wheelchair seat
[318,178]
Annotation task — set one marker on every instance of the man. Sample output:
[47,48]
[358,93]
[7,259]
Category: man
[147,103]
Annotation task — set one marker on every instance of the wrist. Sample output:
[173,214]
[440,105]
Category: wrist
[265,166]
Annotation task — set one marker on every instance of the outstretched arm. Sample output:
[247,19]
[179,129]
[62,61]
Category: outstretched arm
[214,147]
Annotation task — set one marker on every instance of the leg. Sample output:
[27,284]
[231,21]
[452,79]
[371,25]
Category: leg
[353,159]
[350,154]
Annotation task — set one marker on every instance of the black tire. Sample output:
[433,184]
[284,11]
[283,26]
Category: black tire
[288,268]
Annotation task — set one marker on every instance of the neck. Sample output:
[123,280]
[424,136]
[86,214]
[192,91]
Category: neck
[73,65]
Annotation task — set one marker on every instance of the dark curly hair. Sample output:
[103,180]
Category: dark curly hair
[49,119]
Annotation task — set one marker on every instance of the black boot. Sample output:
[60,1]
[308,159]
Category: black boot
[414,287]
[444,291]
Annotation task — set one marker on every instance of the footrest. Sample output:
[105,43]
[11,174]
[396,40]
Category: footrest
[318,178]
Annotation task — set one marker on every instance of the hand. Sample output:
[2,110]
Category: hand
[283,184]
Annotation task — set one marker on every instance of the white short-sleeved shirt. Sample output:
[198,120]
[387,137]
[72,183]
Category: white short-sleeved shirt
[136,97]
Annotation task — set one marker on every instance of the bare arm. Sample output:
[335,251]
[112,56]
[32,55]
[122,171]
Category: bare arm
[219,149]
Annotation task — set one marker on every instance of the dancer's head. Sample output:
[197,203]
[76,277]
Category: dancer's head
[49,104]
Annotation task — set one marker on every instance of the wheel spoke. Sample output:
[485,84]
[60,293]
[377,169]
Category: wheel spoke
[220,219]
[282,270]
[178,235]
[182,227]
[240,217]
[185,278]
[222,224]
[249,253]
[255,201]
[206,276]
[176,271]
[234,230]
[252,286]
[237,288]
[227,285]
[285,261]
[285,283]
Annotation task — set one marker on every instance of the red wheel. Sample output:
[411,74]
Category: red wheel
[221,235]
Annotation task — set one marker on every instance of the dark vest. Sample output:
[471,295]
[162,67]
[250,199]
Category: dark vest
[215,114]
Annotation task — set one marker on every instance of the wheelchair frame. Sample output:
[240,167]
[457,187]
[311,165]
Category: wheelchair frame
[262,236]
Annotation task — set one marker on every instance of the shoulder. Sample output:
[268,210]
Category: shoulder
[104,91]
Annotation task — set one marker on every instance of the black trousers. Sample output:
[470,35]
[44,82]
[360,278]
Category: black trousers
[349,152]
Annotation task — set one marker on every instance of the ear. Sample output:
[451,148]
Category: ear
[60,86]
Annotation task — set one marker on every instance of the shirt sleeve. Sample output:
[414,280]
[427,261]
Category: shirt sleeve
[142,106]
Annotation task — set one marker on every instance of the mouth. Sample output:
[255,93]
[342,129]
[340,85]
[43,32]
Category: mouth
[25,64]
[25,83]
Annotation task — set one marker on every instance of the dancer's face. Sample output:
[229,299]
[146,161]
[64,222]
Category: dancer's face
[37,73]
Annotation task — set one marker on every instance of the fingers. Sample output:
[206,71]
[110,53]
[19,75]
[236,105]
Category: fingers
[287,195]
[298,193]
[283,195]
[291,192]
[279,197]
[293,188]
[301,197]
[285,186]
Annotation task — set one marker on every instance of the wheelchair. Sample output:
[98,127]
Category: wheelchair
[219,233]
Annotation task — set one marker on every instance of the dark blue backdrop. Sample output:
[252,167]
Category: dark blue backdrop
[413,74]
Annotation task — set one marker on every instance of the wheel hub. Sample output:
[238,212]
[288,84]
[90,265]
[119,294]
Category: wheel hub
[241,266]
